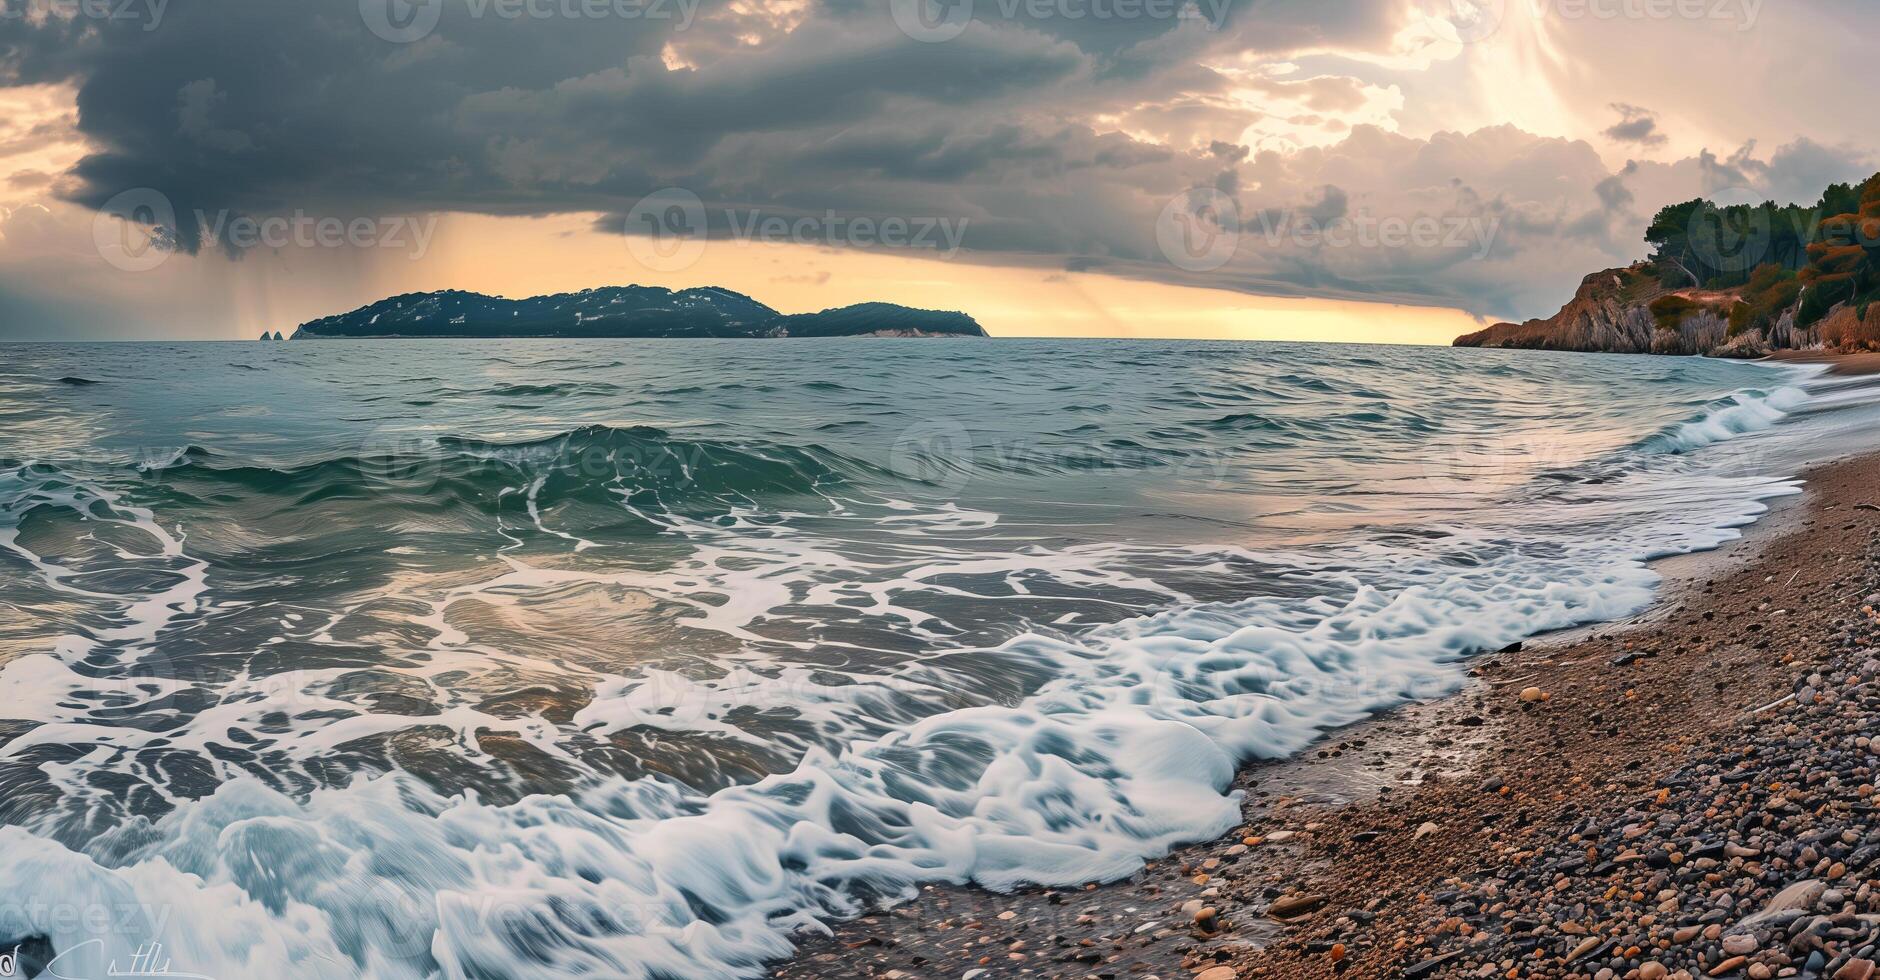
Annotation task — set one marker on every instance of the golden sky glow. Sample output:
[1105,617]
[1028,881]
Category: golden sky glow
[210,297]
[1380,113]
[527,256]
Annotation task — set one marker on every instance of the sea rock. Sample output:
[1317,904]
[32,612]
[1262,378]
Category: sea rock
[1293,906]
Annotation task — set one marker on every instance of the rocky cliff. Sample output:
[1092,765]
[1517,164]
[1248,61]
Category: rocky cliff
[1630,311]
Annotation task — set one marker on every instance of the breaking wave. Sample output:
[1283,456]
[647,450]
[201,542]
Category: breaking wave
[647,701]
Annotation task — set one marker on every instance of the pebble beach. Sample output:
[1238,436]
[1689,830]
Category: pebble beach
[1690,794]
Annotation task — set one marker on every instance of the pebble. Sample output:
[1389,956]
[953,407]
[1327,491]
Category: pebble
[1294,905]
[1855,970]
[1750,851]
[1729,850]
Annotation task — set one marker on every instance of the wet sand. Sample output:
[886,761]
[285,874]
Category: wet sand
[1862,362]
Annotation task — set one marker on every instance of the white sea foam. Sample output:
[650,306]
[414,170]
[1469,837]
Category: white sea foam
[1738,414]
[1127,751]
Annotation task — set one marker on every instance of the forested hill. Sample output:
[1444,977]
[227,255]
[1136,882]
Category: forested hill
[626,311]
[1739,280]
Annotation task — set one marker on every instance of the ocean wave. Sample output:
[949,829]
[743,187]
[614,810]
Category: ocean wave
[646,467]
[563,390]
[901,726]
[1127,751]
[1738,414]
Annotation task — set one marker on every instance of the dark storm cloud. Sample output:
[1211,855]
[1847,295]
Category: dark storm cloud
[274,106]
[1635,125]
[1018,130]
[261,107]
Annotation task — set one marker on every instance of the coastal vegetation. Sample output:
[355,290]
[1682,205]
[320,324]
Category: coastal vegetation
[1731,280]
[705,312]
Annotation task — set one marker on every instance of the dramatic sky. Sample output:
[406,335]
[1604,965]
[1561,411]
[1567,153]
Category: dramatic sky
[1341,169]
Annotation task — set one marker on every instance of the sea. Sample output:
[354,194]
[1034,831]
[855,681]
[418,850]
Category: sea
[541,658]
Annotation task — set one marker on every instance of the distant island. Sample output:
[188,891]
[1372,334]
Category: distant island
[1737,281]
[624,311]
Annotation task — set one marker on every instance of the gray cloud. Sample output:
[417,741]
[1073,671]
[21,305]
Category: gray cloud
[1021,128]
[1635,125]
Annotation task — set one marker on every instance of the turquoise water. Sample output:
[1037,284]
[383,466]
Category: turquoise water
[531,658]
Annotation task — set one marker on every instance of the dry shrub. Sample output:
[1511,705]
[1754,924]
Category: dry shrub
[1846,329]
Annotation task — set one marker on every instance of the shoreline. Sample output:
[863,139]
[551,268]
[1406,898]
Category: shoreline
[1331,870]
[1630,708]
[1842,364]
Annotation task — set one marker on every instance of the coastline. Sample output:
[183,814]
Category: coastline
[1374,853]
[1840,364]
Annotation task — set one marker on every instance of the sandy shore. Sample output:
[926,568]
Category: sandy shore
[1666,786]
[1865,362]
